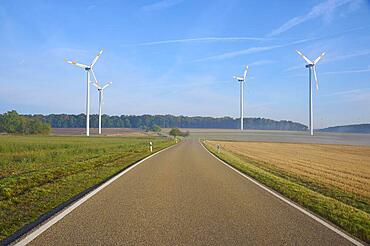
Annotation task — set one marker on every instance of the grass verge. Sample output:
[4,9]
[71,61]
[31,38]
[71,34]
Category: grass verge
[37,173]
[351,219]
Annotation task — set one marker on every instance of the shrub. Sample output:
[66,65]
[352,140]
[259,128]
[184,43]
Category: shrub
[176,132]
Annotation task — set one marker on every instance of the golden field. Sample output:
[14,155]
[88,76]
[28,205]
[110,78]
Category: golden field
[332,181]
[344,167]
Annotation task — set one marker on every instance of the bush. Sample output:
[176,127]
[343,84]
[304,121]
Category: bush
[13,123]
[176,132]
[156,128]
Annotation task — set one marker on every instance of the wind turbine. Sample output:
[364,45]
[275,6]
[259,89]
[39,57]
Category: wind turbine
[241,80]
[101,93]
[88,69]
[311,65]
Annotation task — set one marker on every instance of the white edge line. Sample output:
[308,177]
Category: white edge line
[321,221]
[27,239]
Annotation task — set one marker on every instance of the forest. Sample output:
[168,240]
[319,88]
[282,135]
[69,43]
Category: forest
[166,121]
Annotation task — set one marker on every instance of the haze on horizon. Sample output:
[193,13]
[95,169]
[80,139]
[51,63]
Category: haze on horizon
[178,57]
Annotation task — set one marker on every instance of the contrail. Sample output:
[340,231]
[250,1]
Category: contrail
[204,39]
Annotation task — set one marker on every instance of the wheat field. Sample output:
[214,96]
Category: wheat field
[344,167]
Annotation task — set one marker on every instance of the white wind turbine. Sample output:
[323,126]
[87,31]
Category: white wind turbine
[241,80]
[311,65]
[88,69]
[101,94]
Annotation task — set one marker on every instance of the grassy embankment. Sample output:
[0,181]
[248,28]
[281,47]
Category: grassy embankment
[331,180]
[37,173]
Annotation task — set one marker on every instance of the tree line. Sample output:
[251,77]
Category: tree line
[12,122]
[166,121]
[355,128]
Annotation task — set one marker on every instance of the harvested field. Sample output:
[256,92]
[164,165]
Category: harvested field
[331,180]
[341,166]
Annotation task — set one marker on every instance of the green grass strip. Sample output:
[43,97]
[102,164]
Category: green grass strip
[38,173]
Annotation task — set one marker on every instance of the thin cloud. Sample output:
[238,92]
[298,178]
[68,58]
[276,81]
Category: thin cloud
[249,51]
[203,39]
[324,9]
[161,5]
[347,92]
[258,49]
[262,62]
[232,54]
[356,95]
[347,56]
[366,70]
[289,69]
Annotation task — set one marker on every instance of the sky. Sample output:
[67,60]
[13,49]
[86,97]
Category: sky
[179,57]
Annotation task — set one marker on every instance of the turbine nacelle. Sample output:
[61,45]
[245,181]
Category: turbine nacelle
[242,79]
[312,64]
[97,85]
[83,66]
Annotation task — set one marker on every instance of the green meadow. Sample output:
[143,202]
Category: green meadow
[37,173]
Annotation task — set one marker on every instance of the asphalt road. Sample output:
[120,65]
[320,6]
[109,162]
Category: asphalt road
[184,196]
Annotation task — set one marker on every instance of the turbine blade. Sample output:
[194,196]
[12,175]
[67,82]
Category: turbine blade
[96,85]
[102,95]
[319,58]
[245,72]
[93,74]
[77,64]
[96,58]
[317,82]
[305,58]
[105,86]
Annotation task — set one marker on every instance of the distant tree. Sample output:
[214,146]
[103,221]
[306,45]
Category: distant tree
[12,122]
[175,132]
[156,128]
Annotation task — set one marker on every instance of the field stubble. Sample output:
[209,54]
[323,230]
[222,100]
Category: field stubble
[331,180]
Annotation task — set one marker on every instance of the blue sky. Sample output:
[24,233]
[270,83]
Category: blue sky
[179,56]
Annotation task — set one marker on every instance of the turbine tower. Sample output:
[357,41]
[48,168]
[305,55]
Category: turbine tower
[101,93]
[241,80]
[311,65]
[88,69]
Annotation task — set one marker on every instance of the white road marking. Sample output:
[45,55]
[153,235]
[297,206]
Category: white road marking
[301,209]
[70,208]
